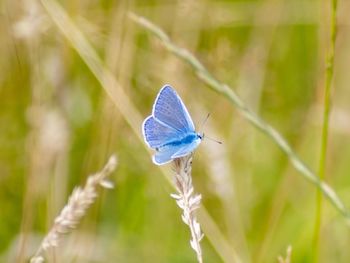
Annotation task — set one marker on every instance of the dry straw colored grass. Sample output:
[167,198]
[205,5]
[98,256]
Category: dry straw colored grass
[79,202]
[188,201]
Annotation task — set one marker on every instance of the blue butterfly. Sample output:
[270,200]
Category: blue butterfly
[170,129]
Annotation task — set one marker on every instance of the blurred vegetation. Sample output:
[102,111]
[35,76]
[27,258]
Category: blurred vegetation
[58,126]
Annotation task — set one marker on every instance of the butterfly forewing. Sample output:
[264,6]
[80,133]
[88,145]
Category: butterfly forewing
[170,110]
[157,134]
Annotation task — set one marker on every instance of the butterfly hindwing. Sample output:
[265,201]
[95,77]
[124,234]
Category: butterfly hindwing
[164,155]
[170,110]
[157,134]
[186,149]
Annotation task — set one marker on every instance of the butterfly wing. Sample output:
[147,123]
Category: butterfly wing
[170,121]
[170,110]
[164,155]
[157,134]
[186,149]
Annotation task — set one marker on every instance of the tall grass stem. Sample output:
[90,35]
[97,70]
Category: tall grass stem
[325,126]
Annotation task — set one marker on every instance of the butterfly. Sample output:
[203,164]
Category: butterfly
[170,129]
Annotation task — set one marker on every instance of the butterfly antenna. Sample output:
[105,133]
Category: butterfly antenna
[219,142]
[202,133]
[204,121]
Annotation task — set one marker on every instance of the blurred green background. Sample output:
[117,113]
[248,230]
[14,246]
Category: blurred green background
[58,126]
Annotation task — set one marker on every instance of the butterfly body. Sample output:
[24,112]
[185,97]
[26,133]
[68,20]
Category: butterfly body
[170,130]
[188,139]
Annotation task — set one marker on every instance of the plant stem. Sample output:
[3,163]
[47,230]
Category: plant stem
[254,119]
[188,201]
[326,112]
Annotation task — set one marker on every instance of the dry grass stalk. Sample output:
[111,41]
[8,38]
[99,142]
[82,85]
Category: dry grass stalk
[188,201]
[288,258]
[78,203]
